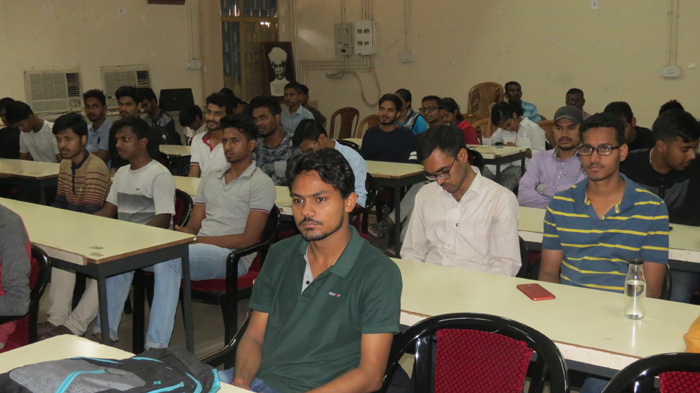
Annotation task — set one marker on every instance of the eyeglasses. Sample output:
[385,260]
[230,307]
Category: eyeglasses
[311,148]
[442,175]
[428,109]
[603,150]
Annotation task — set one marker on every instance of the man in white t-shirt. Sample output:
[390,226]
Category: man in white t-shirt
[36,142]
[142,192]
[207,151]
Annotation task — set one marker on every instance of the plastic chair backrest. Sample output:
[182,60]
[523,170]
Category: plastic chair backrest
[183,208]
[367,122]
[548,127]
[676,373]
[482,95]
[348,122]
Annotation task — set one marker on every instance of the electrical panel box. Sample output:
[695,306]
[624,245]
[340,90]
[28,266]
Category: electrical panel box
[363,39]
[671,71]
[343,38]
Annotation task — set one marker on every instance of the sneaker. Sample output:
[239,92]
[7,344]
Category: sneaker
[57,331]
[381,228]
[42,328]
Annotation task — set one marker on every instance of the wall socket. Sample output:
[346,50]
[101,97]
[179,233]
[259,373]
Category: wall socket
[671,71]
[363,39]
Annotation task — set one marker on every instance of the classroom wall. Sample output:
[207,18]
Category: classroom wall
[612,53]
[64,34]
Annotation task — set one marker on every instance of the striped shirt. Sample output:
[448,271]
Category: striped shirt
[596,249]
[83,187]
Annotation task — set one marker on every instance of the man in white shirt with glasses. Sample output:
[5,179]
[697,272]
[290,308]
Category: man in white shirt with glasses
[462,219]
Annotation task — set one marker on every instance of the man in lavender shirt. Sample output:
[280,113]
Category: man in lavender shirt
[551,171]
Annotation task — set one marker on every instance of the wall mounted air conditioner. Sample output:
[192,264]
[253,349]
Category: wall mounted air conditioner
[114,77]
[53,91]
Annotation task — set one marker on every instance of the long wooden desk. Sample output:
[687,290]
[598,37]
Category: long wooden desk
[587,325]
[40,175]
[68,346]
[176,150]
[396,176]
[498,155]
[101,247]
[684,240]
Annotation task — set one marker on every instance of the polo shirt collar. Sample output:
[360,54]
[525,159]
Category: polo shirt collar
[627,202]
[346,260]
[247,173]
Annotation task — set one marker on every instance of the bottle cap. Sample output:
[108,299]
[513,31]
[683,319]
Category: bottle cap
[636,261]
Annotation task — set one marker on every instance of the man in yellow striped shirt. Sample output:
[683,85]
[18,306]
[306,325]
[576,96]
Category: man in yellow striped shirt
[594,227]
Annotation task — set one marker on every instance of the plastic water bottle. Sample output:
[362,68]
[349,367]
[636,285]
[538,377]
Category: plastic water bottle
[635,290]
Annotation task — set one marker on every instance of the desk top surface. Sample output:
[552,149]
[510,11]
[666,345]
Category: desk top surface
[393,170]
[176,150]
[84,238]
[493,151]
[585,318]
[67,346]
[30,169]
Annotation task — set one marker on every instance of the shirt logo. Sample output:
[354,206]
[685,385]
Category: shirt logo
[334,294]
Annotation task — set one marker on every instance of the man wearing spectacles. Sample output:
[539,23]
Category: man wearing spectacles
[430,110]
[594,227]
[670,170]
[551,171]
[462,219]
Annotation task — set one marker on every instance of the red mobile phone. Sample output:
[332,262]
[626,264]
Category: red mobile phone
[535,291]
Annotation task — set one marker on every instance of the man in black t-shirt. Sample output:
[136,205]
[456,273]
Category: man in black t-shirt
[9,136]
[670,170]
[635,136]
[388,141]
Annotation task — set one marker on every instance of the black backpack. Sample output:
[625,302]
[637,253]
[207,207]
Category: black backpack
[174,370]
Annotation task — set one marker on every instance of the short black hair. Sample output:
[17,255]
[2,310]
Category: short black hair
[243,123]
[331,166]
[508,84]
[431,98]
[294,85]
[235,101]
[189,115]
[73,121]
[393,98]
[96,94]
[449,140]
[575,90]
[222,100]
[671,104]
[606,120]
[305,89]
[405,94]
[503,111]
[4,102]
[146,94]
[676,123]
[620,109]
[17,111]
[307,130]
[126,91]
[138,126]
[268,102]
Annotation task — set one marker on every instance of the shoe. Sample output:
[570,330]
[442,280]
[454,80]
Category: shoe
[42,328]
[97,337]
[381,228]
[57,331]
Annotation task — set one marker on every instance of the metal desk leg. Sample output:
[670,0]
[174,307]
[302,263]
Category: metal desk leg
[187,299]
[498,168]
[138,338]
[522,166]
[104,314]
[397,221]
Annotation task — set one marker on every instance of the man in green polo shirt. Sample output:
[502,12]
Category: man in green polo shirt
[326,303]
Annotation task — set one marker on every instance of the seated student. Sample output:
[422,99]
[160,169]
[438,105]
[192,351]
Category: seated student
[36,142]
[388,141]
[408,118]
[207,151]
[514,95]
[142,192]
[230,212]
[9,136]
[274,144]
[671,171]
[311,136]
[551,171]
[15,251]
[299,338]
[304,97]
[128,105]
[462,219]
[98,130]
[574,97]
[158,119]
[83,183]
[513,130]
[594,227]
[295,112]
[449,110]
[238,106]
[635,137]
[192,121]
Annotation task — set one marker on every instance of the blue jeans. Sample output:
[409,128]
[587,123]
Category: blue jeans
[682,285]
[206,262]
[257,385]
